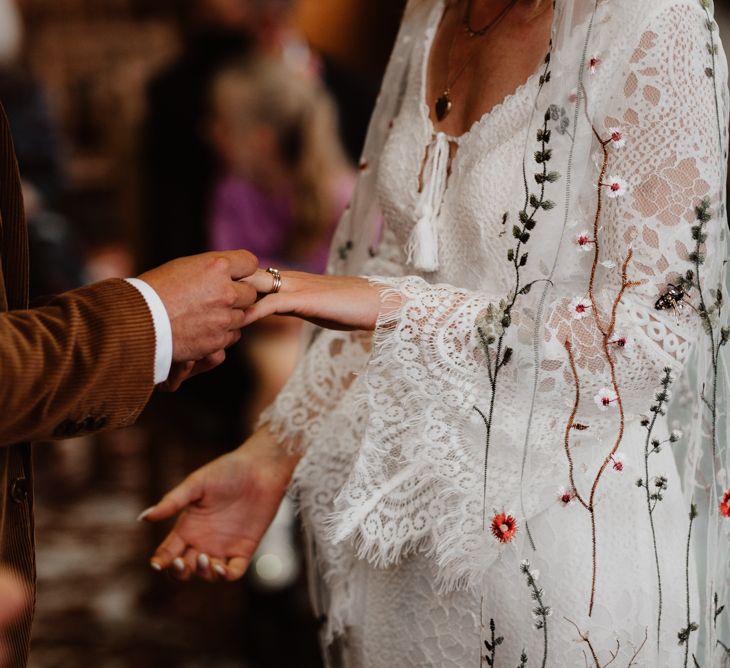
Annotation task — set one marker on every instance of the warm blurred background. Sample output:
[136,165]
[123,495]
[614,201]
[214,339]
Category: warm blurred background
[145,130]
[148,129]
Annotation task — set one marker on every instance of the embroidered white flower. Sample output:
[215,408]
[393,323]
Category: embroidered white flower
[608,264]
[579,307]
[617,138]
[619,461]
[605,397]
[675,435]
[584,241]
[617,187]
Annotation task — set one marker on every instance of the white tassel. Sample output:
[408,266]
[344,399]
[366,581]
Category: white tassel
[422,246]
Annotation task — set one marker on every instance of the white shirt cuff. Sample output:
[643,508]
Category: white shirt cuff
[163,330]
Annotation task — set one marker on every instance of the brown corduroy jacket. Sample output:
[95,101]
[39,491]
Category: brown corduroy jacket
[83,363]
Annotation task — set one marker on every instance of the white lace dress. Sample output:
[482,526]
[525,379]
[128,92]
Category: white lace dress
[418,541]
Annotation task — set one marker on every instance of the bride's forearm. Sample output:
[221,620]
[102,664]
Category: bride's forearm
[278,460]
[334,302]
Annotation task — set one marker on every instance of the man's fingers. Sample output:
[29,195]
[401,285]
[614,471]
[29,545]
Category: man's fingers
[208,363]
[233,338]
[238,319]
[242,263]
[245,294]
[169,550]
[179,373]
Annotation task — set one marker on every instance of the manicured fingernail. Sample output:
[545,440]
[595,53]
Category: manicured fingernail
[143,515]
[155,566]
[220,570]
[203,562]
[178,564]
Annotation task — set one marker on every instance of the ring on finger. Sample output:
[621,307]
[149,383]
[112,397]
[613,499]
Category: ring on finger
[276,274]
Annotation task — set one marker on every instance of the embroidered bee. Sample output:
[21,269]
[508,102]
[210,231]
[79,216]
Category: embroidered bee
[672,299]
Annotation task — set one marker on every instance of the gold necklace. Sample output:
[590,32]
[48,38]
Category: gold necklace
[444,103]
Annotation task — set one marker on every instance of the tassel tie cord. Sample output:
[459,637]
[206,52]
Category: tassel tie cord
[422,247]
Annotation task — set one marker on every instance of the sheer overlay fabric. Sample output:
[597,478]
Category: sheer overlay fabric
[529,458]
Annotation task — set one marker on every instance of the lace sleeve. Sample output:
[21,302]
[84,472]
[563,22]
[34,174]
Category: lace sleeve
[622,306]
[327,371]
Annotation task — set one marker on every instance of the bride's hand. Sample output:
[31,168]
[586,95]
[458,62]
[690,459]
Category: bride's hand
[335,302]
[226,507]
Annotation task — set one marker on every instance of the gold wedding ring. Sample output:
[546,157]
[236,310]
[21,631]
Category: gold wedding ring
[276,274]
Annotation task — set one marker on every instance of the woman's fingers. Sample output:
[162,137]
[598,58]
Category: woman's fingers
[186,493]
[172,548]
[262,281]
[204,568]
[269,305]
[235,568]
[218,568]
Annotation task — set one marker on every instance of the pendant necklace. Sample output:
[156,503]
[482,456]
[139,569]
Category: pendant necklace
[443,104]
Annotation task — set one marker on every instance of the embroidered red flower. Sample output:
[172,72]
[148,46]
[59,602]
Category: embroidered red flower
[504,527]
[619,461]
[620,341]
[584,241]
[593,64]
[565,495]
[725,504]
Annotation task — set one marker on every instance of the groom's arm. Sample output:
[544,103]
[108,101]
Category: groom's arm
[83,363]
[87,361]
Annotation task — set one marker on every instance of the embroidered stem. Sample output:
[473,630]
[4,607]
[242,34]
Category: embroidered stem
[685,633]
[641,647]
[540,611]
[651,500]
[653,533]
[571,425]
[584,637]
[590,503]
[596,239]
[492,646]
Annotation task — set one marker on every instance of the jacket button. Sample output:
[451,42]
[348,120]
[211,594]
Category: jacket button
[66,429]
[19,490]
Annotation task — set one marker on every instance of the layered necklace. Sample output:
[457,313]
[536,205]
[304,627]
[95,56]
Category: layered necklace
[444,103]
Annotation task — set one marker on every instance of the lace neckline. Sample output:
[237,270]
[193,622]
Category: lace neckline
[488,117]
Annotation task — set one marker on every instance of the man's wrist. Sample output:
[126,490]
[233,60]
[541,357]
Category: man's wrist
[163,329]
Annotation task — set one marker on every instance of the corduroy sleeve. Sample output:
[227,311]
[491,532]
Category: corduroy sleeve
[83,363]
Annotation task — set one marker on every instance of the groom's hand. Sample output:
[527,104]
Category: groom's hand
[204,301]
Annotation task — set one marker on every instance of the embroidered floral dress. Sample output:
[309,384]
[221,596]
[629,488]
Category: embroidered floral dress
[526,463]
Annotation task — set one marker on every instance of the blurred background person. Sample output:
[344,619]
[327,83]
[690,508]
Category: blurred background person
[38,146]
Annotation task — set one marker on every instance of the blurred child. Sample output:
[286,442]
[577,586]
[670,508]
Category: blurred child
[286,180]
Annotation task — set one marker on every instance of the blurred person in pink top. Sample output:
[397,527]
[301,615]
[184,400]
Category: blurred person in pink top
[286,181]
